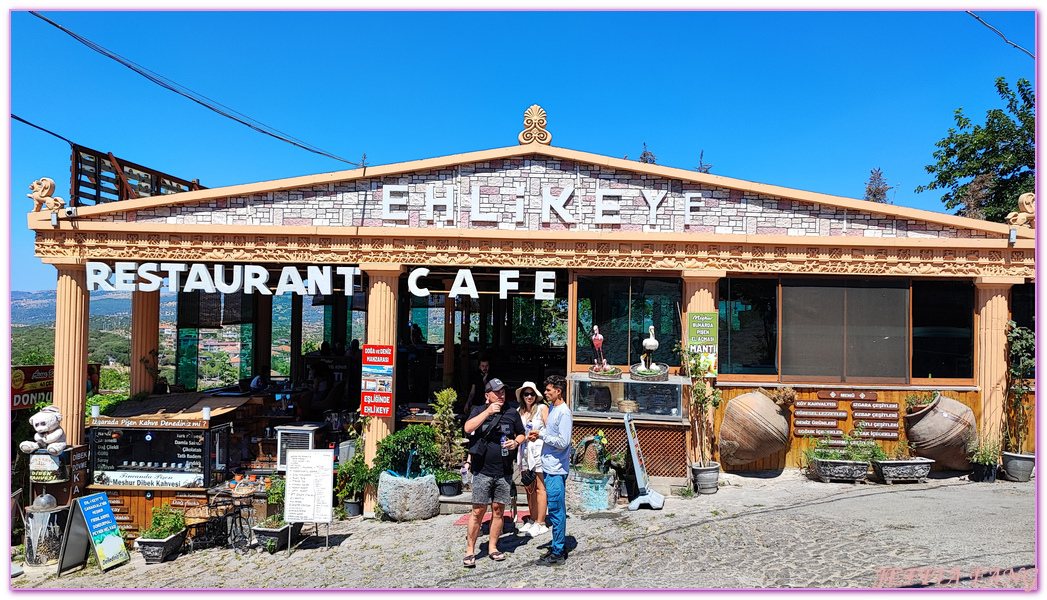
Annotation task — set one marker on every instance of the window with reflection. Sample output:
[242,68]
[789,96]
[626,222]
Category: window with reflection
[624,309]
[748,326]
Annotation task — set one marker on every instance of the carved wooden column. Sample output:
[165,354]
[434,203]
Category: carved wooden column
[70,384]
[145,334]
[383,287]
[991,305]
[700,294]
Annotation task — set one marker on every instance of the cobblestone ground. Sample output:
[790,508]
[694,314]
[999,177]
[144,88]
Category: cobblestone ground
[769,531]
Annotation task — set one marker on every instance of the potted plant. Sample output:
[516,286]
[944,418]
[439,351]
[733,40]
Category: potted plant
[403,470]
[350,483]
[848,460]
[274,533]
[1021,342]
[449,445]
[902,465]
[917,401]
[590,485]
[164,536]
[985,457]
[704,397]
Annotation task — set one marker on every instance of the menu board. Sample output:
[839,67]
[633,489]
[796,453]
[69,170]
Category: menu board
[828,415]
[309,486]
[92,527]
[160,458]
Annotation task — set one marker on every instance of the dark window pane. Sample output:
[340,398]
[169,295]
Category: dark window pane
[877,331]
[812,329]
[942,329]
[1023,305]
[1023,311]
[748,326]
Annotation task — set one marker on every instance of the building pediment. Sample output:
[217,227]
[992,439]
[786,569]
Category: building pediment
[533,188]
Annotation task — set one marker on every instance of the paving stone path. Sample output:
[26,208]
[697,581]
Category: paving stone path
[770,531]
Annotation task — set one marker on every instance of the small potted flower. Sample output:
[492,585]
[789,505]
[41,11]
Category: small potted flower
[985,458]
[164,536]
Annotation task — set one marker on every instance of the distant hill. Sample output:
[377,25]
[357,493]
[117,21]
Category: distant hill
[38,308]
[113,309]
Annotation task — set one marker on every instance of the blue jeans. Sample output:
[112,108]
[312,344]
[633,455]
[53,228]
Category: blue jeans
[556,494]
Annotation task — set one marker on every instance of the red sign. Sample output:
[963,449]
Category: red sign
[30,385]
[376,404]
[35,383]
[378,355]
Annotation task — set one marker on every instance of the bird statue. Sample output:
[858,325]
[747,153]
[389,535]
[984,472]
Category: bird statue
[649,345]
[598,346]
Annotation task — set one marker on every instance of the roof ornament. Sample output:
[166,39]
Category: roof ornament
[43,191]
[1026,214]
[534,127]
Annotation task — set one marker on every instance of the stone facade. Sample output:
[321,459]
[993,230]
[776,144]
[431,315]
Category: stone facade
[510,193]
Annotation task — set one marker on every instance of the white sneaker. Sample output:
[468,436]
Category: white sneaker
[526,528]
[538,530]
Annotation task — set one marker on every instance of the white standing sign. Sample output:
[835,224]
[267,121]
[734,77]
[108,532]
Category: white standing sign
[643,484]
[310,486]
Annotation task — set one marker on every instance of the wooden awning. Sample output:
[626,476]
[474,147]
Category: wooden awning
[185,406]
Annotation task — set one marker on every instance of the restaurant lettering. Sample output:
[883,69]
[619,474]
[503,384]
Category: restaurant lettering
[213,278]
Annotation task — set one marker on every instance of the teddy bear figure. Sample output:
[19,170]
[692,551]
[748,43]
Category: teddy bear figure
[49,433]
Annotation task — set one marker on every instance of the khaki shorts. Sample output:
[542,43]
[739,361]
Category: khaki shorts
[490,489]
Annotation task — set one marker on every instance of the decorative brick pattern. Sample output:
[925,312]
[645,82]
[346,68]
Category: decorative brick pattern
[494,185]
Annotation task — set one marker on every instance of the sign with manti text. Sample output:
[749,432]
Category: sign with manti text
[703,338]
[376,381]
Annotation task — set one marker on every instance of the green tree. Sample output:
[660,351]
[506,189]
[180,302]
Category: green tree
[1002,152]
[647,156]
[876,188]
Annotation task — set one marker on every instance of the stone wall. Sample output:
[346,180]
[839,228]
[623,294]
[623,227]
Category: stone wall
[511,192]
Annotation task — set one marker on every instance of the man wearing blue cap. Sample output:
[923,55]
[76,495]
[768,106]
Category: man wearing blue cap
[494,436]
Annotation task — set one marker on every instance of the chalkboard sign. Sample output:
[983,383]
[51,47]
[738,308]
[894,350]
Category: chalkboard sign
[647,495]
[309,486]
[92,526]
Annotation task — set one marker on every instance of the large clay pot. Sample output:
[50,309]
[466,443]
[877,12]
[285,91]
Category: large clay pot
[753,428]
[942,431]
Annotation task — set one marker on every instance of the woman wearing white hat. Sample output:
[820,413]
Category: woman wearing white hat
[533,412]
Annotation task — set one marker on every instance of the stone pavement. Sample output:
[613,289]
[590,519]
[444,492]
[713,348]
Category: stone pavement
[767,530]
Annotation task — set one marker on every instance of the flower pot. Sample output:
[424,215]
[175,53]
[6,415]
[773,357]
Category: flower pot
[983,473]
[586,492]
[909,469]
[706,479]
[353,508]
[827,470]
[1018,467]
[156,550]
[278,537]
[450,488]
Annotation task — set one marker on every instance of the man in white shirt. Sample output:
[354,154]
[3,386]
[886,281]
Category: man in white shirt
[556,460]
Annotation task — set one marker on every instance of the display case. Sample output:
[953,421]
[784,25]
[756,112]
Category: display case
[158,453]
[603,398]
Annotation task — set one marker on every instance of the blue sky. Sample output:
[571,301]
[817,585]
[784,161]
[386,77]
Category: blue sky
[808,100]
